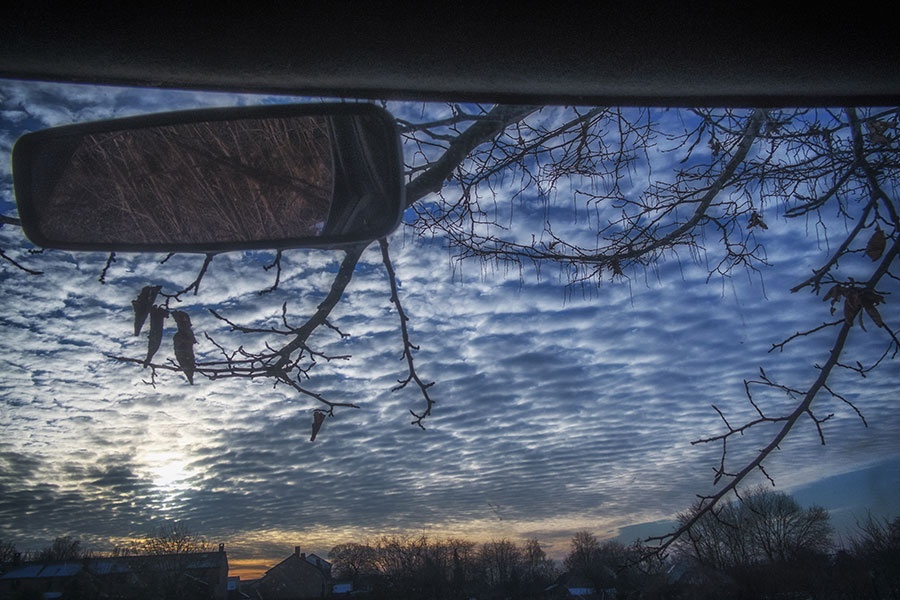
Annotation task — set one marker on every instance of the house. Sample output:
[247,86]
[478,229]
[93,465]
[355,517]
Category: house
[318,561]
[234,589]
[687,574]
[47,580]
[297,577]
[573,585]
[200,576]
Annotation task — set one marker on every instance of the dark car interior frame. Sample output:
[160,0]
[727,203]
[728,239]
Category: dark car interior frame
[625,54]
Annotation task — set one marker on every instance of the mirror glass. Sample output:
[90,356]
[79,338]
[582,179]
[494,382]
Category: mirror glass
[211,183]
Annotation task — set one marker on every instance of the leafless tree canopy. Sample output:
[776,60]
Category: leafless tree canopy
[641,186]
[766,527]
[62,548]
[423,567]
[173,538]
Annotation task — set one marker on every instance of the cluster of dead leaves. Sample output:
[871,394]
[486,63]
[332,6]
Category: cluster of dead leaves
[878,131]
[616,269]
[183,340]
[756,221]
[856,300]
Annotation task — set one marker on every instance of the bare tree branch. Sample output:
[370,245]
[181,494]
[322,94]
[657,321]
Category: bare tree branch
[803,407]
[491,125]
[5,257]
[408,346]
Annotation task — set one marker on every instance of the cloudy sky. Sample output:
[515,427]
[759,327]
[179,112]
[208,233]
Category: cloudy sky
[558,408]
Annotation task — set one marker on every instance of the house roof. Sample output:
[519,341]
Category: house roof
[294,572]
[693,572]
[315,559]
[41,570]
[575,580]
[114,564]
[295,559]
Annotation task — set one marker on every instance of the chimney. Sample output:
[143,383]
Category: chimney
[221,547]
[296,549]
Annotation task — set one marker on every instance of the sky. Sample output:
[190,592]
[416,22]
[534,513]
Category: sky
[558,408]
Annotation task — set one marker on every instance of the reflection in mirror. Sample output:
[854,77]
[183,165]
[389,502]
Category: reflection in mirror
[212,184]
[226,181]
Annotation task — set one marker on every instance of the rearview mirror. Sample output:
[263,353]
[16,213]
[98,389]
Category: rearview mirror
[287,176]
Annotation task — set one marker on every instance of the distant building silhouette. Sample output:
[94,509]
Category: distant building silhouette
[193,576]
[298,577]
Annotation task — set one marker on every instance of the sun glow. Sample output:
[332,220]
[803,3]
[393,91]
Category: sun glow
[168,472]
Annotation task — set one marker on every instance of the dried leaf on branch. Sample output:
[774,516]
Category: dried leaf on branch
[318,419]
[756,221]
[184,341]
[874,315]
[158,315]
[852,304]
[875,247]
[142,304]
[856,299]
[877,131]
[834,294]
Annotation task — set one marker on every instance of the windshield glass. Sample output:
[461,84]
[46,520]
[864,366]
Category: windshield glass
[590,291]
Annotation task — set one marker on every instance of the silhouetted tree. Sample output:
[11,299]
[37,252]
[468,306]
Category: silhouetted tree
[62,548]
[877,547]
[430,568]
[400,560]
[611,564]
[7,552]
[172,538]
[763,527]
[538,571]
[584,557]
[163,562]
[766,541]
[501,565]
[353,561]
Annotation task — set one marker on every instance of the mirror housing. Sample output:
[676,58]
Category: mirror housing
[212,180]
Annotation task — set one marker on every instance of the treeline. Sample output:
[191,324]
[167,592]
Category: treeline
[174,538]
[62,548]
[767,546]
[764,546]
[420,567]
[160,566]
[423,567]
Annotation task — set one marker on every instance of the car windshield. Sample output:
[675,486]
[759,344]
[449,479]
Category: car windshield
[588,317]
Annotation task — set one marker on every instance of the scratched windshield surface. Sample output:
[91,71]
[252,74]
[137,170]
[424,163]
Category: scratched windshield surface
[589,317]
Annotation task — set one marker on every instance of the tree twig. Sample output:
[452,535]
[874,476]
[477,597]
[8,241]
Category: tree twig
[408,346]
